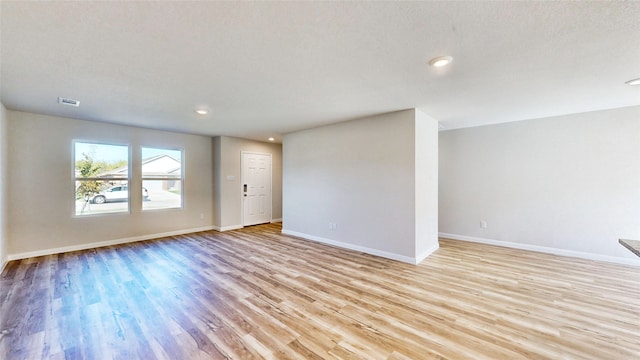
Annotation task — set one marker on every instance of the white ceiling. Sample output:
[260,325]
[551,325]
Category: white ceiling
[268,68]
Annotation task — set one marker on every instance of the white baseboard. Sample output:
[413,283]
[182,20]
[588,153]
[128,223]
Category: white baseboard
[376,252]
[544,249]
[236,227]
[227,228]
[93,245]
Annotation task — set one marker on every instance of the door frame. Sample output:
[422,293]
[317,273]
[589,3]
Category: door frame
[242,175]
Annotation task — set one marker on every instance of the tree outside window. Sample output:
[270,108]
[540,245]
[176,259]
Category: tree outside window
[101,178]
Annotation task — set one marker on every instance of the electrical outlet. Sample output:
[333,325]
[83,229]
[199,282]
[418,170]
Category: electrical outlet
[333,226]
[483,224]
[201,216]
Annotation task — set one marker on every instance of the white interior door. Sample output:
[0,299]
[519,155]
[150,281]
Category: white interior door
[256,188]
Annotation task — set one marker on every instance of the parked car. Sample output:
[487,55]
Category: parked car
[115,193]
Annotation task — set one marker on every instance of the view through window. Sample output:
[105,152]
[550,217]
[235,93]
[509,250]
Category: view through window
[162,178]
[101,178]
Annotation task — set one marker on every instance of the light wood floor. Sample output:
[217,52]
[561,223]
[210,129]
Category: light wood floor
[255,293]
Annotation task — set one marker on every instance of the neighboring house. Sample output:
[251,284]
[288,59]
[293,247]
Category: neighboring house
[163,170]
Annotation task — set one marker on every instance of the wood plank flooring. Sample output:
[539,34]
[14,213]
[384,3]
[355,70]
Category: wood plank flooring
[257,294]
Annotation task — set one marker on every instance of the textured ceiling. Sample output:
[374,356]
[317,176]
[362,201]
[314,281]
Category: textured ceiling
[268,68]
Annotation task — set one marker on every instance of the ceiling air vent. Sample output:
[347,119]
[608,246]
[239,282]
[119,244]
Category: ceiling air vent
[69,102]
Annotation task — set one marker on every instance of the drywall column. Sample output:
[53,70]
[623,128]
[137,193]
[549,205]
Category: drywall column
[216,154]
[426,196]
[354,185]
[3,187]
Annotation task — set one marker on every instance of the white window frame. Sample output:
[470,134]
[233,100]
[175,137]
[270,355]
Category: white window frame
[152,178]
[76,178]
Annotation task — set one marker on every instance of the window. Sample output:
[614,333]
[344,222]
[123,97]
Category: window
[101,178]
[162,178]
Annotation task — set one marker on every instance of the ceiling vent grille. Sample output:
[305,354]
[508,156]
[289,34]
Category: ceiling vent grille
[69,102]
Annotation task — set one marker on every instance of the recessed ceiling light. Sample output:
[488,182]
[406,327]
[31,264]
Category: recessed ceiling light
[633,82]
[202,111]
[441,61]
[272,139]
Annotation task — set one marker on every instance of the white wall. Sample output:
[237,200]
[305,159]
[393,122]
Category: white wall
[4,246]
[41,187]
[361,175]
[426,192]
[567,184]
[227,179]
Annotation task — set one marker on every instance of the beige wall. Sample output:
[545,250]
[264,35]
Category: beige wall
[41,196]
[568,184]
[361,175]
[4,246]
[227,180]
